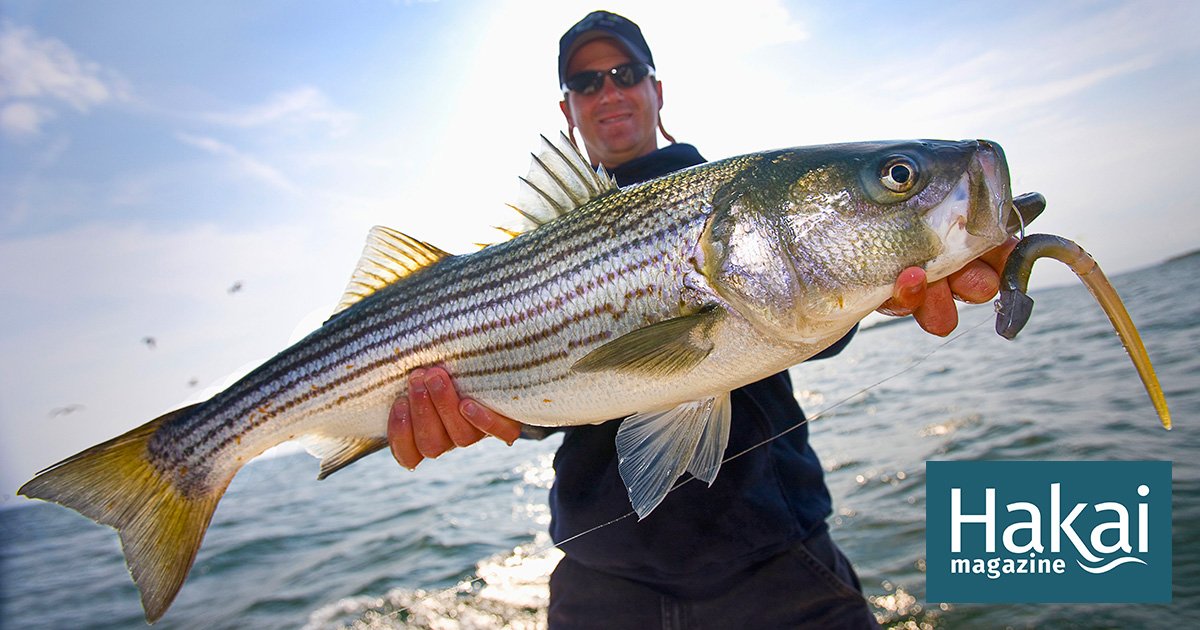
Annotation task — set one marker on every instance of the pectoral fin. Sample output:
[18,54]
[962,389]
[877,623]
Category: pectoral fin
[662,349]
[654,449]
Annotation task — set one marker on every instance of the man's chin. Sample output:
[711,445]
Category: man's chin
[618,144]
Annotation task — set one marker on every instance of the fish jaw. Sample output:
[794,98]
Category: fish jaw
[809,242]
[975,215]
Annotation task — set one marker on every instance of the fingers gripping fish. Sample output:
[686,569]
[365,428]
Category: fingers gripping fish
[649,303]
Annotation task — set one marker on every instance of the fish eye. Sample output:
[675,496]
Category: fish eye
[899,174]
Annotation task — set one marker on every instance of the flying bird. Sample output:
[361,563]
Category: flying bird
[65,411]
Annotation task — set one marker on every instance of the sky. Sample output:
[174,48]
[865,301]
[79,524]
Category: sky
[185,187]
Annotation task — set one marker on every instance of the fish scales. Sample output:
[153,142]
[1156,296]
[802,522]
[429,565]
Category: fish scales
[649,303]
[459,314]
[454,293]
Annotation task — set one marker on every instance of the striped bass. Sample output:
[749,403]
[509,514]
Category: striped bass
[648,303]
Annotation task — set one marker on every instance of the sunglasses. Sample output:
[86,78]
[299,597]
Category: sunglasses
[624,76]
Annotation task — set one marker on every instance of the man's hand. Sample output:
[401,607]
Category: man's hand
[432,419]
[932,305]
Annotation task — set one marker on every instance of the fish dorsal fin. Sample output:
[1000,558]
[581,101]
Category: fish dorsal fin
[654,449]
[387,256]
[560,179]
[666,348]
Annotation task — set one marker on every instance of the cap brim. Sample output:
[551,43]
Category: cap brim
[592,36]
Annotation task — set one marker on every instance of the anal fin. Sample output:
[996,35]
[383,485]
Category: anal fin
[338,452]
[655,449]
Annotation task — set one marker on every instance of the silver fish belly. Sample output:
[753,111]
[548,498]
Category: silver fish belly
[649,303]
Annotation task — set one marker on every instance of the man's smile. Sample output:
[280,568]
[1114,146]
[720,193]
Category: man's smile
[610,119]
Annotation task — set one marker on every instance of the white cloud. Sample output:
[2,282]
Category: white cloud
[38,74]
[1038,69]
[990,88]
[245,164]
[22,118]
[305,105]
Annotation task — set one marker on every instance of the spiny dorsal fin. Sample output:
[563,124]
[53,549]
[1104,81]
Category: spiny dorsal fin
[559,180]
[388,256]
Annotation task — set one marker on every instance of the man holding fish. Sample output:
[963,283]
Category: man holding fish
[676,304]
[750,550]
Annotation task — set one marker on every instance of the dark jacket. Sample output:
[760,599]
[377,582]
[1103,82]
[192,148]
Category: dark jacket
[699,538]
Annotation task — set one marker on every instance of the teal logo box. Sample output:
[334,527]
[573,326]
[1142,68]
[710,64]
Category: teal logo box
[1048,531]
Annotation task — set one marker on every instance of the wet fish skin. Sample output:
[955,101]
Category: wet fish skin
[651,302]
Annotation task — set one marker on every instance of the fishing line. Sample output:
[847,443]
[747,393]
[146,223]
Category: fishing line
[809,418]
[847,399]
[806,420]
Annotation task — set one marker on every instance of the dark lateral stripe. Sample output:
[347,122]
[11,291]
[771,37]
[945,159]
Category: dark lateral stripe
[484,385]
[530,364]
[674,200]
[372,321]
[463,375]
[507,347]
[457,295]
[534,337]
[581,238]
[293,396]
[468,293]
[414,305]
[399,335]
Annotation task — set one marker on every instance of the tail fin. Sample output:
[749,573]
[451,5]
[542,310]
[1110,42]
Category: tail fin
[116,484]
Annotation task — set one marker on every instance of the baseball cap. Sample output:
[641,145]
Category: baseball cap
[599,24]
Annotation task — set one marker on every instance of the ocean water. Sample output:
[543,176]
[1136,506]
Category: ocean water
[460,543]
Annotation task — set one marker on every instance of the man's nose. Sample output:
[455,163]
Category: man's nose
[609,90]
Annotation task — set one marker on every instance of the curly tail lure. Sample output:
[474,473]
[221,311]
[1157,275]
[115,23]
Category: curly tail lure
[1014,306]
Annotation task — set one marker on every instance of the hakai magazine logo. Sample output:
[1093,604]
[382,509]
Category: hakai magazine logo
[1048,531]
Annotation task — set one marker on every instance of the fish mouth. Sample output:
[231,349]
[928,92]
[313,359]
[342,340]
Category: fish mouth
[991,193]
[977,213]
[1013,213]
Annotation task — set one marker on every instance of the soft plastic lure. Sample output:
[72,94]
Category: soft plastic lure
[1014,306]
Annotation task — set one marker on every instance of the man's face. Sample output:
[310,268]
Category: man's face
[617,124]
